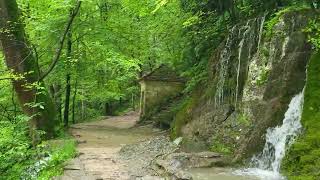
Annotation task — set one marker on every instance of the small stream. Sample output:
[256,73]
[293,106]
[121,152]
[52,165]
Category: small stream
[218,174]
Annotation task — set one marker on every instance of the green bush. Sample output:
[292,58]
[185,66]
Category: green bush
[15,149]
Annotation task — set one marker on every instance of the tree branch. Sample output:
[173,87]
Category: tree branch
[61,42]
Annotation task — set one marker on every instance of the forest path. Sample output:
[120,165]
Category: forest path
[99,144]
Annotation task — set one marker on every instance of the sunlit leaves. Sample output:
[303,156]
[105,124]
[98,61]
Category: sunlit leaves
[160,3]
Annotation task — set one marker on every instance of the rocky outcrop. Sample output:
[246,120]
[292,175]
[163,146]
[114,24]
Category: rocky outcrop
[159,158]
[253,76]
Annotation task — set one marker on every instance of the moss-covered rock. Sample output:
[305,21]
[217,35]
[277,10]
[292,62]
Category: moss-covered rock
[183,115]
[302,161]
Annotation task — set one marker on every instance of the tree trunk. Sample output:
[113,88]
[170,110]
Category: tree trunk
[55,91]
[83,109]
[133,102]
[19,58]
[58,100]
[68,78]
[74,101]
[67,102]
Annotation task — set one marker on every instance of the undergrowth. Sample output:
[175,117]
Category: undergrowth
[60,151]
[20,160]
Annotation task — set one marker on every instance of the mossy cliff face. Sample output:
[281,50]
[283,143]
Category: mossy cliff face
[302,161]
[253,78]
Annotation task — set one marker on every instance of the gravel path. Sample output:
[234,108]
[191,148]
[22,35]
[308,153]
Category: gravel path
[99,146]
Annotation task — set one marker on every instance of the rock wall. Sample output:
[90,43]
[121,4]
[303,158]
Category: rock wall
[253,76]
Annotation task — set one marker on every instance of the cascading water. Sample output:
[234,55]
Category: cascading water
[246,37]
[267,164]
[223,68]
[248,28]
[263,19]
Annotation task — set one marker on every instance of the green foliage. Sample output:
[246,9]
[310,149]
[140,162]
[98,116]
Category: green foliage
[220,147]
[15,148]
[313,31]
[60,151]
[303,159]
[243,119]
[19,158]
[277,16]
[263,76]
[198,74]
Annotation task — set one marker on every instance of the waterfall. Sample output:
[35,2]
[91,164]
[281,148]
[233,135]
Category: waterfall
[223,68]
[248,28]
[267,164]
[247,37]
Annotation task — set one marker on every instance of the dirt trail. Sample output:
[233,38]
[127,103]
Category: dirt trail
[109,150]
[99,144]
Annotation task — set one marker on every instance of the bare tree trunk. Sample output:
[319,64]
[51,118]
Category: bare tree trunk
[68,79]
[55,91]
[133,102]
[74,101]
[58,100]
[67,102]
[19,58]
[83,108]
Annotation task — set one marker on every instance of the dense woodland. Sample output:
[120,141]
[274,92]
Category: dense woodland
[69,61]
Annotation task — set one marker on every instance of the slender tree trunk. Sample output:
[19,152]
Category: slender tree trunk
[68,79]
[74,101]
[133,102]
[19,58]
[67,102]
[55,91]
[83,108]
[58,100]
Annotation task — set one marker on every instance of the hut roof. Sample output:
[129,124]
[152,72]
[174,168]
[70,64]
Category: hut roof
[162,73]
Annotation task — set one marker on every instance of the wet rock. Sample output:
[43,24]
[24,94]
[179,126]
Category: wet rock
[176,164]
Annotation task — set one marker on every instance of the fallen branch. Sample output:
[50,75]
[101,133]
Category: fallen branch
[61,42]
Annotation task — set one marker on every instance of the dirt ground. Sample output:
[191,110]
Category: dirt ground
[99,144]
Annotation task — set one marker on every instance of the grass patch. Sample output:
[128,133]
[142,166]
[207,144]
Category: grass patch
[243,119]
[220,147]
[302,161]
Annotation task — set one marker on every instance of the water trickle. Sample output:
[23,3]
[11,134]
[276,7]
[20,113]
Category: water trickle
[239,60]
[285,46]
[223,68]
[263,19]
[267,164]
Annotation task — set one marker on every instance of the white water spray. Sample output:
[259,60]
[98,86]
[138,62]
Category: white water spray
[267,164]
